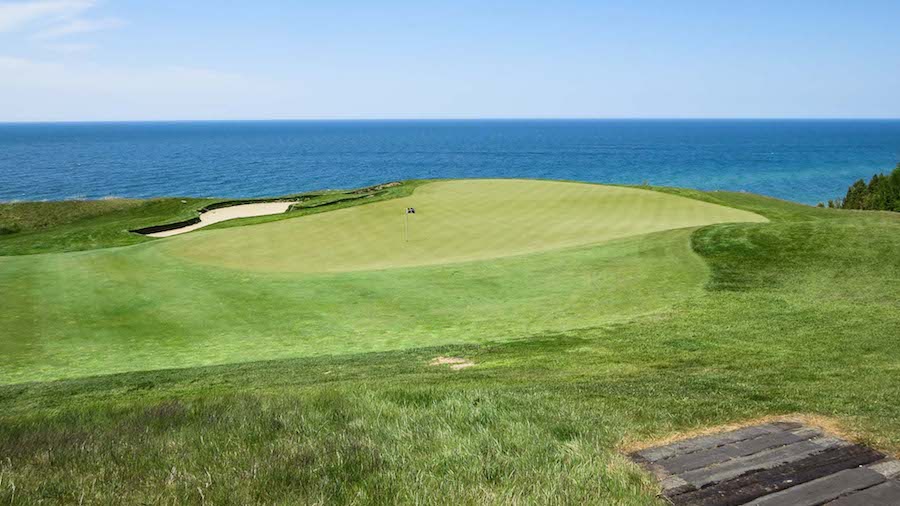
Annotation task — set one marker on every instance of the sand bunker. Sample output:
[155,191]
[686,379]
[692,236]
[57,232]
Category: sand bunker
[455,363]
[228,213]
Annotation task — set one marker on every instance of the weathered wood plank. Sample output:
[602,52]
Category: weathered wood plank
[886,494]
[759,461]
[824,489]
[751,486]
[691,461]
[703,458]
[671,483]
[711,441]
[756,445]
[890,468]
[776,464]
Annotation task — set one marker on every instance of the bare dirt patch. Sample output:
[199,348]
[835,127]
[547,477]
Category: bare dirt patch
[455,363]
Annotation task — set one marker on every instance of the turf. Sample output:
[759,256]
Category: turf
[28,228]
[796,315]
[455,221]
[147,307]
[53,227]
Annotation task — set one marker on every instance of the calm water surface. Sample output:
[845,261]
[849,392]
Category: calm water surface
[801,160]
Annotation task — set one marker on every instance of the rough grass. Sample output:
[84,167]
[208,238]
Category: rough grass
[52,227]
[77,225]
[799,315]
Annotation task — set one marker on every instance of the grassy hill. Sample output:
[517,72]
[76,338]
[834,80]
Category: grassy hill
[577,351]
[268,291]
[28,228]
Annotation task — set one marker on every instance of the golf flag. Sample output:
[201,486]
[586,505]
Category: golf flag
[409,210]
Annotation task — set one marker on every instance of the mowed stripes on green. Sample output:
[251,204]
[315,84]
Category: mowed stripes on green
[261,292]
[455,221]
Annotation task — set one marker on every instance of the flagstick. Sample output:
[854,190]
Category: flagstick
[406,226]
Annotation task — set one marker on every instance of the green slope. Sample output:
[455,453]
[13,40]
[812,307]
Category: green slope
[796,315]
[52,227]
[145,307]
[28,228]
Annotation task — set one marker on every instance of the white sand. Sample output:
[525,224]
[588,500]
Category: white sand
[229,213]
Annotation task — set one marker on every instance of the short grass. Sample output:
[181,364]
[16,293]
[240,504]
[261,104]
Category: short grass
[796,315]
[455,221]
[126,310]
[146,307]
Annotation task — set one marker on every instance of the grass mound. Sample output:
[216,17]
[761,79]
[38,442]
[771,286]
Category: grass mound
[455,221]
[73,225]
[28,228]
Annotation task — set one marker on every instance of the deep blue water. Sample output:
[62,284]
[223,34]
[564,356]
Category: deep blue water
[800,160]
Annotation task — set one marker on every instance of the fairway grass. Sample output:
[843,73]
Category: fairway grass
[455,221]
[94,314]
[148,307]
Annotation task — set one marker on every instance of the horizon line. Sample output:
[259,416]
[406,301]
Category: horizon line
[450,119]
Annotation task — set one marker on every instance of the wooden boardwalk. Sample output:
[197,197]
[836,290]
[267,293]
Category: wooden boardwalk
[773,464]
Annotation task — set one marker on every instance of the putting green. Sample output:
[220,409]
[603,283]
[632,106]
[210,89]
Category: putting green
[261,292]
[455,221]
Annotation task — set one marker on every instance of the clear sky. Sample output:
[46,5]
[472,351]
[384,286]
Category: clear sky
[195,59]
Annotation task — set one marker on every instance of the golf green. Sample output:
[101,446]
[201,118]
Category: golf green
[486,261]
[454,221]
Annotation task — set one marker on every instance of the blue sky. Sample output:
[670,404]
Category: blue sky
[130,60]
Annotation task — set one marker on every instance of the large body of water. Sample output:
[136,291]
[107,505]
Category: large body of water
[800,160]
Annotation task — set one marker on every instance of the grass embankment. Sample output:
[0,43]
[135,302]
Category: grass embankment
[208,298]
[76,225]
[798,315]
[53,227]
